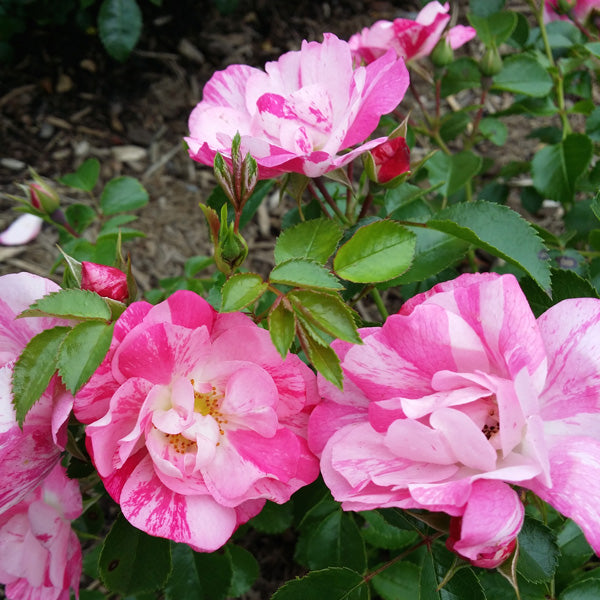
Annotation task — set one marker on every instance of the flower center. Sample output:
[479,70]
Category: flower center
[180,443]
[209,403]
[492,425]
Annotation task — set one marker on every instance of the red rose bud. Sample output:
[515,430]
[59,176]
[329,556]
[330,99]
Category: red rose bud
[43,197]
[105,281]
[391,159]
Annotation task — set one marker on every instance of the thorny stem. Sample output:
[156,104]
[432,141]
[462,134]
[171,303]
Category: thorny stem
[365,207]
[318,198]
[555,72]
[379,303]
[417,97]
[327,197]
[426,541]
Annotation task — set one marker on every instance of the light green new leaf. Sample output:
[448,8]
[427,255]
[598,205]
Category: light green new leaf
[82,350]
[556,168]
[122,194]
[241,290]
[299,272]
[70,304]
[316,239]
[119,26]
[34,368]
[131,561]
[499,230]
[376,252]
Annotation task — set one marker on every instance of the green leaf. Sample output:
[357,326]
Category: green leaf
[327,312]
[592,125]
[334,583]
[485,8]
[494,130]
[494,29]
[380,533]
[499,230]
[463,585]
[245,570]
[337,542]
[453,171]
[322,358]
[70,304]
[399,581]
[282,327]
[273,518]
[538,551]
[434,252]
[82,350]
[316,240]
[132,561]
[556,168]
[119,26]
[34,368]
[376,252]
[574,552]
[523,74]
[80,216]
[122,194]
[299,272]
[85,177]
[588,589]
[241,290]
[198,575]
[462,74]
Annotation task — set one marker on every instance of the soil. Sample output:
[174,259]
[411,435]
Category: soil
[63,100]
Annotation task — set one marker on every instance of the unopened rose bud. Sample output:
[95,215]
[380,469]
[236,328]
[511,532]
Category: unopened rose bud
[564,6]
[231,250]
[491,62]
[388,160]
[108,282]
[442,54]
[43,197]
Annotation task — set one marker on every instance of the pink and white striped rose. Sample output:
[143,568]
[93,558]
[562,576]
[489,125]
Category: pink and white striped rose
[195,420]
[309,112]
[459,395]
[40,555]
[410,39]
[27,455]
[580,10]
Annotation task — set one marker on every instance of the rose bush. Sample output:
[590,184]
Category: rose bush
[40,555]
[194,420]
[301,113]
[410,39]
[460,394]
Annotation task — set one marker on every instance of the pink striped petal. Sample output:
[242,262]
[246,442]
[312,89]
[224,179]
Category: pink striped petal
[490,523]
[197,520]
[575,489]
[571,334]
